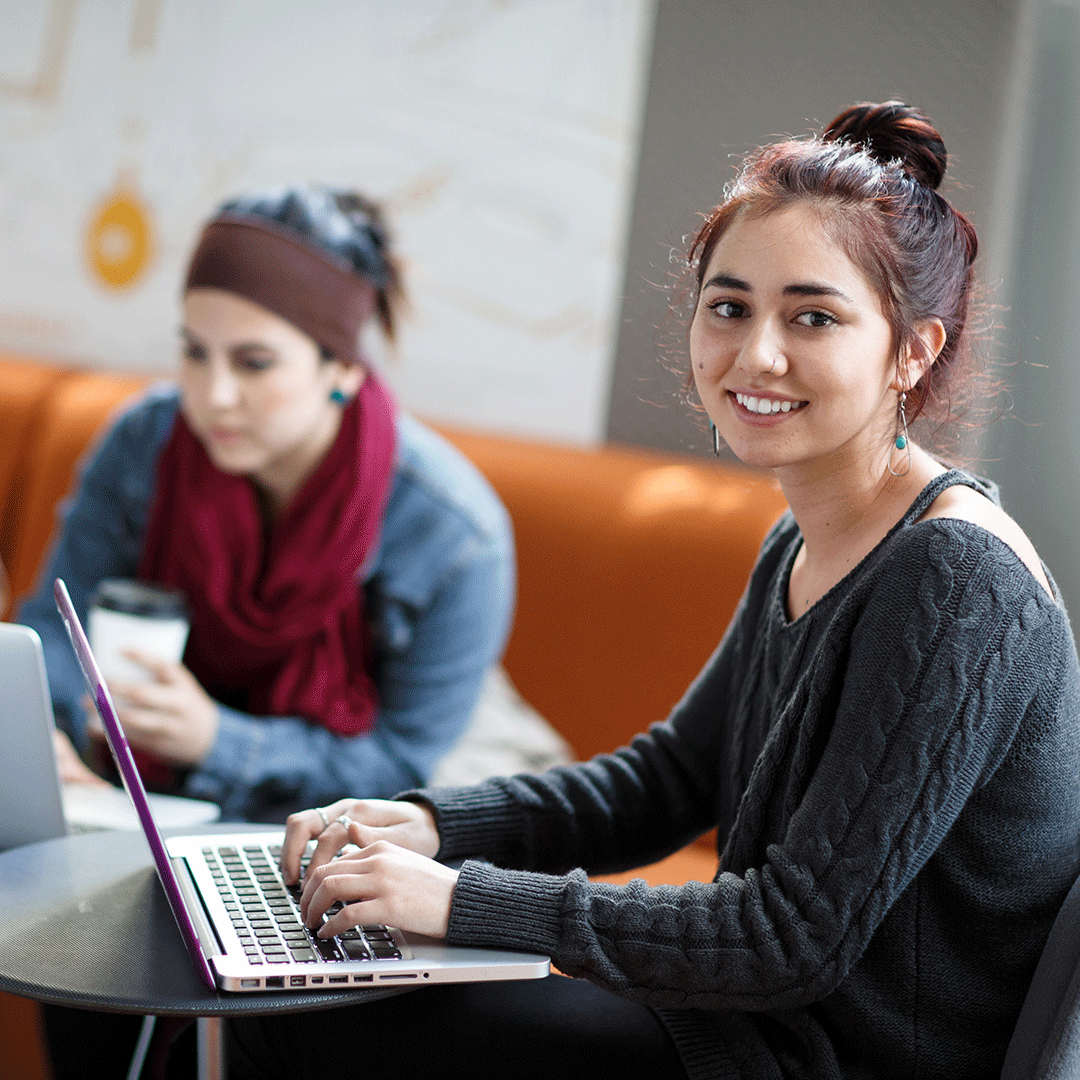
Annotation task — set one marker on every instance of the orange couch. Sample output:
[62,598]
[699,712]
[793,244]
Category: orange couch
[629,563]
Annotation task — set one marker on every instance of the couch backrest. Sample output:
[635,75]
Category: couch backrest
[24,393]
[55,418]
[629,563]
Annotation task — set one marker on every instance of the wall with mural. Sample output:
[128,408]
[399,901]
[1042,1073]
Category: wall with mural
[500,133]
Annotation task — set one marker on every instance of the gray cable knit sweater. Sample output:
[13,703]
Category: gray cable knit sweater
[896,779]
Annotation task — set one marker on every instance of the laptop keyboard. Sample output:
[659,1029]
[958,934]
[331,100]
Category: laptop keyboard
[265,913]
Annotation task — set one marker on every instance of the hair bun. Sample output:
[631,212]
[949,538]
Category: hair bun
[893,131]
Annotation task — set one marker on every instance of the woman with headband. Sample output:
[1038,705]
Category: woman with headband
[886,737]
[348,574]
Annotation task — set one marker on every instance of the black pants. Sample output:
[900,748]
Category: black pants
[99,1046]
[555,1028]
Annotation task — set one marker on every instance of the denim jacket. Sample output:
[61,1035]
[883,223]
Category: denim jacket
[439,594]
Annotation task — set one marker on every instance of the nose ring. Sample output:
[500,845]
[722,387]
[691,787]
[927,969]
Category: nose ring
[773,368]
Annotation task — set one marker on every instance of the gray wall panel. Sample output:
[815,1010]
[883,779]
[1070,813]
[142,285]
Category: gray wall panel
[729,74]
[1035,445]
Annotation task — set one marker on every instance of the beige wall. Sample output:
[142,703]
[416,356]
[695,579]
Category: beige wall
[502,135]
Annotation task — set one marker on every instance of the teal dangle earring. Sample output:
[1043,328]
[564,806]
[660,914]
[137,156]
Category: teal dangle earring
[901,442]
[338,397]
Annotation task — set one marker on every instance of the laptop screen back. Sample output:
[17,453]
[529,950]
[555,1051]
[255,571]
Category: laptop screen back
[30,805]
[129,773]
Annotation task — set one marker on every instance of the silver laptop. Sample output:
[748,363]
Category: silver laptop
[34,805]
[241,923]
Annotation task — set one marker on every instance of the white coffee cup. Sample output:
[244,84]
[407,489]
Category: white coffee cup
[128,614]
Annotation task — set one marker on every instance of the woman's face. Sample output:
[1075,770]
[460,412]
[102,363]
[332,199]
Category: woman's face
[793,358]
[256,391]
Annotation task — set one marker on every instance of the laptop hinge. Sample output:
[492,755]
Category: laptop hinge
[208,939]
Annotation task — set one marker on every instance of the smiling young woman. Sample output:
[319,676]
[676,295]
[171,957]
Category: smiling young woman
[885,738]
[832,294]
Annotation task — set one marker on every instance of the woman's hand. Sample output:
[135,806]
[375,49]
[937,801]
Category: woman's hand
[170,715]
[405,824]
[380,883]
[73,770]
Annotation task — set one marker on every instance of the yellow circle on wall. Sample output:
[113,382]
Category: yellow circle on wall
[118,241]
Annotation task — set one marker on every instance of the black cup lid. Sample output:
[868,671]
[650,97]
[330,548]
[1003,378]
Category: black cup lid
[139,598]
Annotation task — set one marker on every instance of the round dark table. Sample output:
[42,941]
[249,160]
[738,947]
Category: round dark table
[84,922]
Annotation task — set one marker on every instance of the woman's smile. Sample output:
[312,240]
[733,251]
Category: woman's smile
[764,405]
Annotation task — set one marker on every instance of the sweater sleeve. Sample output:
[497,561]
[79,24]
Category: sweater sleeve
[628,808]
[615,812]
[898,721]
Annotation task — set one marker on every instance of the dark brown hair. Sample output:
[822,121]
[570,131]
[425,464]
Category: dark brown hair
[367,214]
[872,176]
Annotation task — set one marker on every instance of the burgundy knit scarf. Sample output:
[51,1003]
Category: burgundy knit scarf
[277,615]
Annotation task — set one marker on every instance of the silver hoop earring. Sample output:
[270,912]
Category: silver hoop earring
[715,439]
[902,441]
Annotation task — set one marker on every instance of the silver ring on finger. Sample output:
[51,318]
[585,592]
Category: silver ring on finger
[345,820]
[322,813]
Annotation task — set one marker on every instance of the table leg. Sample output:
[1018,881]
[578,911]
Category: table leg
[210,1031]
[138,1058]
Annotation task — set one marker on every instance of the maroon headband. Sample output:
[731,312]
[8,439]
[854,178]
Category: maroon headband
[278,270]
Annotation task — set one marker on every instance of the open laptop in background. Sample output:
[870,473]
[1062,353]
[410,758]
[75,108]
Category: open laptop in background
[34,804]
[239,921]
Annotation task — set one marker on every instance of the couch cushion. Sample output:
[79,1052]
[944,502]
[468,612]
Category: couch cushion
[24,389]
[80,405]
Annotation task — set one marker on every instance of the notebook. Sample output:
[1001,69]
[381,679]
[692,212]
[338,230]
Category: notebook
[34,804]
[241,924]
